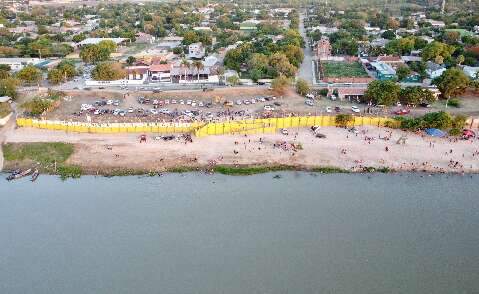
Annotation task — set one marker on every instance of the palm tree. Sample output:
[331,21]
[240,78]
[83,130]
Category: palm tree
[199,66]
[185,63]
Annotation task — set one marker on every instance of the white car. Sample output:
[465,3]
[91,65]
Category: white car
[253,101]
[167,101]
[329,109]
[246,102]
[310,96]
[268,108]
[355,109]
[173,101]
[238,102]
[188,102]
[182,102]
[130,110]
[109,102]
[153,111]
[309,102]
[284,132]
[200,104]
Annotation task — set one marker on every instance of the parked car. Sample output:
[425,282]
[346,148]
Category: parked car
[355,109]
[309,102]
[268,108]
[284,132]
[402,112]
[337,109]
[329,109]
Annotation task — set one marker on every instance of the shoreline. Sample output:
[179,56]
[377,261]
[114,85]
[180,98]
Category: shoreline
[370,149]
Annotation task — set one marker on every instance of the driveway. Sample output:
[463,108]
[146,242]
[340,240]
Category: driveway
[305,70]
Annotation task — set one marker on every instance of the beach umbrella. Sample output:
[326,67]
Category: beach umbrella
[435,132]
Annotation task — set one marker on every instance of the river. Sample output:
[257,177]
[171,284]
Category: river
[195,233]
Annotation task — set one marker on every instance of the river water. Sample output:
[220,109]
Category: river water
[195,233]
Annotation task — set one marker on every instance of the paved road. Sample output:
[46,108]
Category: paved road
[305,71]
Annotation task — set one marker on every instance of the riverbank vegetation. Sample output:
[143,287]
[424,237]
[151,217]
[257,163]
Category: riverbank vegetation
[47,157]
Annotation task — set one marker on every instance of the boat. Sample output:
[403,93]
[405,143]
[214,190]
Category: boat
[35,175]
[19,175]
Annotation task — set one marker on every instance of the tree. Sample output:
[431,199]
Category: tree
[64,71]
[294,54]
[108,71]
[434,49]
[280,84]
[460,59]
[281,65]
[302,87]
[8,87]
[198,65]
[382,92]
[451,83]
[389,34]
[415,95]
[55,76]
[403,72]
[29,75]
[97,53]
[233,80]
[130,60]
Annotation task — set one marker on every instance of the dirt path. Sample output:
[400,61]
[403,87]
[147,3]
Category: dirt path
[343,149]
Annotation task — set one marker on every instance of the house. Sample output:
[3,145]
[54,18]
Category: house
[137,73]
[196,51]
[384,71]
[379,42]
[352,94]
[434,70]
[323,48]
[472,72]
[160,73]
[248,26]
[95,41]
[144,38]
[325,30]
[393,61]
[17,64]
[435,23]
[170,42]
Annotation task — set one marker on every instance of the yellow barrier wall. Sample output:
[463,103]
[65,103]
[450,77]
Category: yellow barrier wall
[250,126]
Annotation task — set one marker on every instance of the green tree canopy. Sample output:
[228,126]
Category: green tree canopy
[452,82]
[382,92]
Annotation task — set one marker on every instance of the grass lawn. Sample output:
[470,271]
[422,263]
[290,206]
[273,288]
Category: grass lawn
[336,69]
[4,109]
[44,153]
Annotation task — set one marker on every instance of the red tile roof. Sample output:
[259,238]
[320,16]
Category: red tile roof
[160,67]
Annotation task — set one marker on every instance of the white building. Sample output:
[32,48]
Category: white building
[95,41]
[472,72]
[196,50]
[17,64]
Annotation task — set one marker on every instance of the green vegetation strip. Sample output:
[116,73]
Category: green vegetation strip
[47,157]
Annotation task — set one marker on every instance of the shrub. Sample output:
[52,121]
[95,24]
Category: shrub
[455,132]
[69,171]
[342,120]
[454,103]
[37,106]
[323,92]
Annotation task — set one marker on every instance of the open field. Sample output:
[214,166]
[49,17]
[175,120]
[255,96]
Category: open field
[336,69]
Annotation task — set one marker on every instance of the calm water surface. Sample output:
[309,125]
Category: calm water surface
[200,234]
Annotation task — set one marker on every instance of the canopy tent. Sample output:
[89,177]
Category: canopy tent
[435,132]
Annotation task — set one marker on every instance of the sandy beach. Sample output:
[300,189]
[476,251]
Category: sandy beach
[100,153]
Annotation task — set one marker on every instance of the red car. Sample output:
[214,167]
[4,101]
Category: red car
[402,111]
